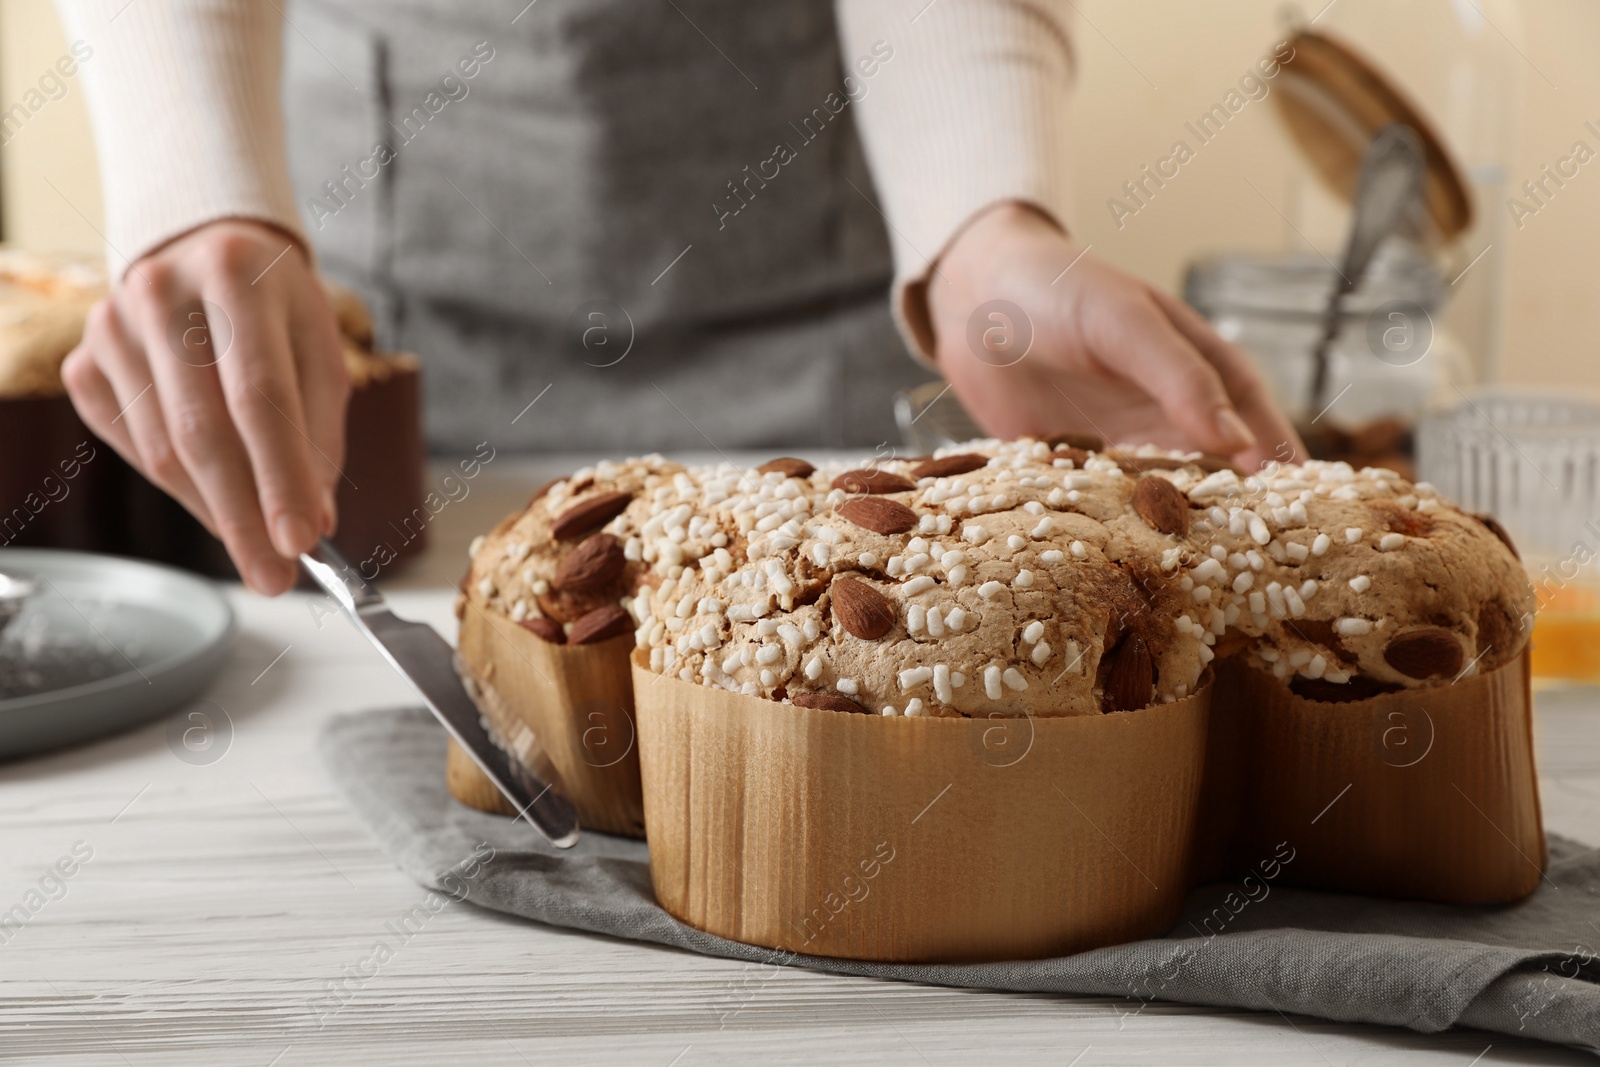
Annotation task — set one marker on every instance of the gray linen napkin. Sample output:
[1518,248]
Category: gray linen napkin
[1529,969]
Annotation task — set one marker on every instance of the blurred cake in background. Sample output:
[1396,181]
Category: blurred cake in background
[61,487]
[43,303]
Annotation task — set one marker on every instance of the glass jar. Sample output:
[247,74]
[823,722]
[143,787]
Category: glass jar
[1389,360]
[1463,64]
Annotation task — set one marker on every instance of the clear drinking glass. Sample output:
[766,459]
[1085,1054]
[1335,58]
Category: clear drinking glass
[1531,458]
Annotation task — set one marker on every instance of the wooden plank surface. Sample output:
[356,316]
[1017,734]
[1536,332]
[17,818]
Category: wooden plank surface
[220,901]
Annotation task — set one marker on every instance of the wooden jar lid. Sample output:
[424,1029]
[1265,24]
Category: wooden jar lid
[1334,101]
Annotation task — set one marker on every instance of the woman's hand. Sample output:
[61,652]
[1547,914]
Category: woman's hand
[1108,353]
[214,367]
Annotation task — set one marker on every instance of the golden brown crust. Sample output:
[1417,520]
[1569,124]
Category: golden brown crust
[365,367]
[355,320]
[1036,584]
[44,303]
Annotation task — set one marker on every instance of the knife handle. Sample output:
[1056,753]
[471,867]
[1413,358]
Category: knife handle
[340,580]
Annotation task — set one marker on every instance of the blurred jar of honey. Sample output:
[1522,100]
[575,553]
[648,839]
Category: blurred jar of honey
[1566,635]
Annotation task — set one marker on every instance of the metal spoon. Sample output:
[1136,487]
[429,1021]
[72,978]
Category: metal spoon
[1388,188]
[13,592]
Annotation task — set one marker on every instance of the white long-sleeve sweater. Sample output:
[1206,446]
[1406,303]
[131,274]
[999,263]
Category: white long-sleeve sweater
[184,95]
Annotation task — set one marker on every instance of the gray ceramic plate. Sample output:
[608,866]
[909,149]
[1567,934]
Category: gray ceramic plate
[103,645]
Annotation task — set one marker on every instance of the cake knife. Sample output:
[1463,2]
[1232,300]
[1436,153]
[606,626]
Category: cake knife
[418,652]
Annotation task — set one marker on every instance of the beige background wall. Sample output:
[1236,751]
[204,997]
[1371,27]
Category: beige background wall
[54,147]
[1147,66]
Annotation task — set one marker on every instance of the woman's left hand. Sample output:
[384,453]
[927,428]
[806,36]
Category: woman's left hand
[1037,336]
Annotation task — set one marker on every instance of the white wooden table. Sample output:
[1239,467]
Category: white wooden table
[221,899]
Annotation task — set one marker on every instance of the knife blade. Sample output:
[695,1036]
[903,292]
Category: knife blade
[418,652]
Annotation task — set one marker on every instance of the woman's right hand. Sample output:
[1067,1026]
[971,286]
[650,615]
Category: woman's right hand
[214,367]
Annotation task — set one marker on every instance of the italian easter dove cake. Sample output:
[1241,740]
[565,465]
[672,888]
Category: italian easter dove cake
[1164,656]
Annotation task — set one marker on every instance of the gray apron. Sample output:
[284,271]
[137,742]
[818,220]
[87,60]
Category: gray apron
[650,220]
